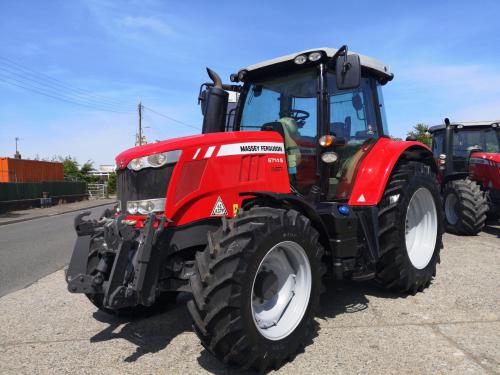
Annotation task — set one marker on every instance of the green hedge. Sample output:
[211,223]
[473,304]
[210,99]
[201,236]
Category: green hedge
[10,191]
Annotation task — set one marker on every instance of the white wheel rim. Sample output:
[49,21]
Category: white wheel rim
[450,208]
[421,227]
[278,313]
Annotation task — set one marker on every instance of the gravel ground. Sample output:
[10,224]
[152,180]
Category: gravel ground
[451,328]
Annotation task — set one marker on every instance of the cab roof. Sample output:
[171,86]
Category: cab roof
[367,62]
[465,124]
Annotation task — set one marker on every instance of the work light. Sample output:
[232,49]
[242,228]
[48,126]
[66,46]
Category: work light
[329,157]
[301,59]
[314,56]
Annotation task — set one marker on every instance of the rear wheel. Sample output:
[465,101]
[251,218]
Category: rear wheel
[256,287]
[465,207]
[410,228]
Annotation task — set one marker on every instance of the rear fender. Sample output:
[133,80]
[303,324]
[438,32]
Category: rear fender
[377,166]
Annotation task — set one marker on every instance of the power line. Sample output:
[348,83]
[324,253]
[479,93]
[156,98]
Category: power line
[61,91]
[171,118]
[48,86]
[40,92]
[53,81]
[39,88]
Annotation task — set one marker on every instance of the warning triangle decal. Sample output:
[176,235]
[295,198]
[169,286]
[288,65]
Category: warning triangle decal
[219,208]
[361,198]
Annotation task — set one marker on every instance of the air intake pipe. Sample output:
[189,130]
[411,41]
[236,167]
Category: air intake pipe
[448,147]
[215,105]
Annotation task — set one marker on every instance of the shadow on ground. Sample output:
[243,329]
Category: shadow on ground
[154,332]
[9,215]
[151,332]
[492,228]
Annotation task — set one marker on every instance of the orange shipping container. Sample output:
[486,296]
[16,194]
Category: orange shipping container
[21,170]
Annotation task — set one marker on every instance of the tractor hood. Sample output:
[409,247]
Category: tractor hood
[492,156]
[182,143]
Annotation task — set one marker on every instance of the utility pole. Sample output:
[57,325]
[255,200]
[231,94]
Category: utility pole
[17,155]
[139,108]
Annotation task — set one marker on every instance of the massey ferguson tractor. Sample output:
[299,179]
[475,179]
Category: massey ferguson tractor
[250,216]
[468,154]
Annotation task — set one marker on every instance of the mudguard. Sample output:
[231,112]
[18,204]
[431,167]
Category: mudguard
[376,168]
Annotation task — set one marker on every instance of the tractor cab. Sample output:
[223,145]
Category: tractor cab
[328,116]
[454,143]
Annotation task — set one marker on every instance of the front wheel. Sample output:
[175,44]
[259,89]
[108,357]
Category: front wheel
[410,228]
[256,287]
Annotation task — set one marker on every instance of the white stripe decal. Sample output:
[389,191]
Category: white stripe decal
[209,152]
[196,154]
[251,148]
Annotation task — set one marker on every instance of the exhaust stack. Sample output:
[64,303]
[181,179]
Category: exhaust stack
[215,105]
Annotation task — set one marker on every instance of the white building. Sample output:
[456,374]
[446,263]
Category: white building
[104,171]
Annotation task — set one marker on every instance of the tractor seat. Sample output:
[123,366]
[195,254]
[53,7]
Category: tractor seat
[341,130]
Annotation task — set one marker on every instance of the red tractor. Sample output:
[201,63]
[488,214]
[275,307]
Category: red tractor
[469,157]
[248,217]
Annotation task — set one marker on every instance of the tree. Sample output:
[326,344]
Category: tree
[112,183]
[421,133]
[73,171]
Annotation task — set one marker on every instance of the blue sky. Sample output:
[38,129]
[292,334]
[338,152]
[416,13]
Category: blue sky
[445,56]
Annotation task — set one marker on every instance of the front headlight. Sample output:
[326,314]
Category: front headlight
[154,160]
[146,206]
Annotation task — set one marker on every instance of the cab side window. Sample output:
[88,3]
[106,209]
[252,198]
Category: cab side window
[437,144]
[352,115]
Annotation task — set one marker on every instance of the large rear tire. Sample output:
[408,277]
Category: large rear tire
[410,228]
[465,207]
[256,287]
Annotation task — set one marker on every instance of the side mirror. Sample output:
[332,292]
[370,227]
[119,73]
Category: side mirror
[348,71]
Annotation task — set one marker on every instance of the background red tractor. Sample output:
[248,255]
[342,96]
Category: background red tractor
[469,157]
[302,182]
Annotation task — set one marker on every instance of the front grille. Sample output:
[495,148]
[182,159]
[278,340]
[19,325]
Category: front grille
[147,183]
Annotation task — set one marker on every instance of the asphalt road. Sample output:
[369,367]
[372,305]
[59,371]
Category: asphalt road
[35,248]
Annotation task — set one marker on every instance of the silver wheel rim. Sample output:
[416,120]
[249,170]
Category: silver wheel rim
[281,289]
[421,227]
[450,208]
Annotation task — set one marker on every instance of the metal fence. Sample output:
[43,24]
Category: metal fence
[11,191]
[98,191]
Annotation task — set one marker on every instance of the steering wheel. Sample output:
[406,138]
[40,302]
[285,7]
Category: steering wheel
[299,114]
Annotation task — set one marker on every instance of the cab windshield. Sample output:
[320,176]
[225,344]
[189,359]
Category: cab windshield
[287,104]
[465,142]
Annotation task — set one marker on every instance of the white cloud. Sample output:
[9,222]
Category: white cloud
[423,92]
[152,24]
